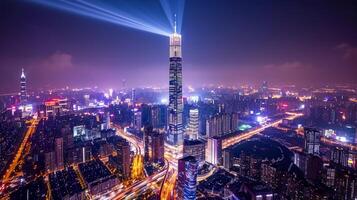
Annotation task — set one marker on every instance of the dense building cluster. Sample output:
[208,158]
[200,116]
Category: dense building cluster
[97,176]
[241,143]
[65,184]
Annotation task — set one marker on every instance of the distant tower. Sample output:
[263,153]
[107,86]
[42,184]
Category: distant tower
[264,90]
[175,132]
[192,130]
[133,97]
[23,92]
[123,81]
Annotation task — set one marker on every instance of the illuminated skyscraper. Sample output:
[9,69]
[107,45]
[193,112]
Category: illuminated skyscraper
[133,97]
[23,93]
[187,178]
[192,130]
[59,152]
[214,150]
[175,132]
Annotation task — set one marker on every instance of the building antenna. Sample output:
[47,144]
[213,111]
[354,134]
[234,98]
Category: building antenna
[22,73]
[175,25]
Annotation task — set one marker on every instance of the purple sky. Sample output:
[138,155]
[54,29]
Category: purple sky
[224,42]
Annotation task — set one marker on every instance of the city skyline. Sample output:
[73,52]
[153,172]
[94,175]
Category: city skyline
[283,43]
[178,100]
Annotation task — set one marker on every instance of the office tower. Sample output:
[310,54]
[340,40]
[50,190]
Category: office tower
[107,120]
[342,179]
[340,156]
[147,142]
[214,150]
[123,157]
[159,116]
[234,122]
[59,152]
[56,107]
[50,160]
[192,130]
[195,148]
[133,96]
[137,119]
[157,146]
[123,84]
[86,153]
[264,90]
[300,160]
[146,116]
[221,124]
[154,144]
[312,141]
[211,127]
[175,132]
[187,178]
[23,92]
[227,163]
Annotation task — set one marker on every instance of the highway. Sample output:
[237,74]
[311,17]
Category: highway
[31,129]
[167,190]
[139,186]
[244,136]
[169,172]
[207,175]
[134,140]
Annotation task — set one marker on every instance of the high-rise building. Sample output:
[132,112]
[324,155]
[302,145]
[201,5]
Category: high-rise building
[59,152]
[312,141]
[133,96]
[146,116]
[147,142]
[221,124]
[192,130]
[154,144]
[340,155]
[157,146]
[227,163]
[123,161]
[159,116]
[137,119]
[264,90]
[187,178]
[175,132]
[23,92]
[214,150]
[50,160]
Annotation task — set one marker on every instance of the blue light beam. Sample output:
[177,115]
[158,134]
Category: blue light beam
[172,8]
[104,13]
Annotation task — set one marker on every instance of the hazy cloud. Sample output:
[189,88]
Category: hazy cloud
[58,60]
[349,51]
[295,65]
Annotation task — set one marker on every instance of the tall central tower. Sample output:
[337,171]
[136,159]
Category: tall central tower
[175,133]
[23,95]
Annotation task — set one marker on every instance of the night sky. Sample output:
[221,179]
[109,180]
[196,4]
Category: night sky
[228,42]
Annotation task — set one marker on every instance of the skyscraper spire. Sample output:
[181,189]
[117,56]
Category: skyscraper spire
[23,73]
[175,24]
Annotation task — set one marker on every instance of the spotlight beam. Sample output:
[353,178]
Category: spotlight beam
[172,8]
[91,10]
